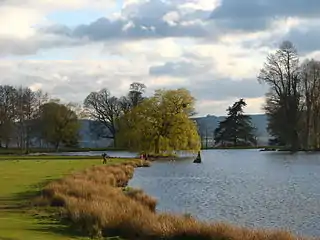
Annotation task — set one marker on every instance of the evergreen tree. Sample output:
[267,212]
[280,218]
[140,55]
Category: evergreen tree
[237,128]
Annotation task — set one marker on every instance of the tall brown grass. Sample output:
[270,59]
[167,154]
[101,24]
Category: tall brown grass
[95,201]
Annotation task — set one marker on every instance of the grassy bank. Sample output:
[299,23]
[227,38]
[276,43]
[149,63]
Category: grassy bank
[23,177]
[243,147]
[5,151]
[96,202]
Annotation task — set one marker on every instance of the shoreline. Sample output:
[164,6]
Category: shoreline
[134,217]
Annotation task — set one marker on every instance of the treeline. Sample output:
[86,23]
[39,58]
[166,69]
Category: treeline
[293,100]
[157,124]
[31,118]
[27,116]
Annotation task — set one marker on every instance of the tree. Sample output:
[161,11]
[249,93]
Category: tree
[28,104]
[7,113]
[104,108]
[59,124]
[134,96]
[161,124]
[237,128]
[281,73]
[310,76]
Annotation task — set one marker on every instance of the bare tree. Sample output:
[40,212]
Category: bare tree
[134,96]
[104,108]
[310,75]
[7,114]
[283,106]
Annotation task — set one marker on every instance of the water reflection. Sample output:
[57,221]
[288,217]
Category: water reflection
[246,187]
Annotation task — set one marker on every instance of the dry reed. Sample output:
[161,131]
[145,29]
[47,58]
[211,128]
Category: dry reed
[95,202]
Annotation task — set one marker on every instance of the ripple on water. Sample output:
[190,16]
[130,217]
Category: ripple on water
[244,187]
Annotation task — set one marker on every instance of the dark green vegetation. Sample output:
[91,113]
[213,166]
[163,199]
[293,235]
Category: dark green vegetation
[292,104]
[20,180]
[236,129]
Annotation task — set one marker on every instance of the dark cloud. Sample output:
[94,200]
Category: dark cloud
[257,14]
[214,88]
[104,29]
[266,9]
[205,85]
[305,40]
[140,21]
[178,69]
[304,37]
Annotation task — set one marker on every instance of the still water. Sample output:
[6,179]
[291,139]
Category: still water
[244,187]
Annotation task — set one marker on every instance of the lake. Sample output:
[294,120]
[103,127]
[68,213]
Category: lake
[244,187]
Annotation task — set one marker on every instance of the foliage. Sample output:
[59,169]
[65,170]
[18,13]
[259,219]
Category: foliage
[58,124]
[237,128]
[106,109]
[161,124]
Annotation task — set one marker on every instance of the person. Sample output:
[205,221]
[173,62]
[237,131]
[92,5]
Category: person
[198,158]
[104,156]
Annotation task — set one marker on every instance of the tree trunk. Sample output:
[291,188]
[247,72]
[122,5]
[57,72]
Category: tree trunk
[157,145]
[114,142]
[57,146]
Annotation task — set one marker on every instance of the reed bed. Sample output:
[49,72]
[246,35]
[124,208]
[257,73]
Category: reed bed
[97,202]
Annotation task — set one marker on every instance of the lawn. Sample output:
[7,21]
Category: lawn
[20,178]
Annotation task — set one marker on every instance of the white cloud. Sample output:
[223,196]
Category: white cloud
[171,18]
[199,4]
[254,106]
[19,22]
[217,60]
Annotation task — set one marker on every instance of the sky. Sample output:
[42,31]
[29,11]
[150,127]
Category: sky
[214,48]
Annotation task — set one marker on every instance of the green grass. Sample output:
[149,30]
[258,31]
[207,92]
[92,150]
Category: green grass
[21,178]
[49,150]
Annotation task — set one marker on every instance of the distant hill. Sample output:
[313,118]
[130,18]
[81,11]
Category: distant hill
[206,124]
[88,139]
[209,123]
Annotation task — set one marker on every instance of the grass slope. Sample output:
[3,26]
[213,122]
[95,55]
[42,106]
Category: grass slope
[21,177]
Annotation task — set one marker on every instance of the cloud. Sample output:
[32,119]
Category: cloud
[214,48]
[251,15]
[178,69]
[219,107]
[305,36]
[143,20]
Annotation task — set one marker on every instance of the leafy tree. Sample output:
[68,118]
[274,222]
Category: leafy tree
[59,124]
[281,73]
[161,124]
[236,128]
